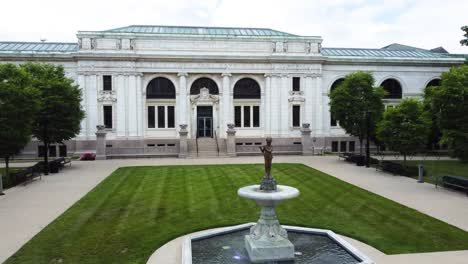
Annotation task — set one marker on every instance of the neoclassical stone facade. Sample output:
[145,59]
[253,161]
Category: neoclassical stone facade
[143,82]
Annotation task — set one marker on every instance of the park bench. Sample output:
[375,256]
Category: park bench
[345,155]
[28,174]
[62,161]
[392,167]
[455,182]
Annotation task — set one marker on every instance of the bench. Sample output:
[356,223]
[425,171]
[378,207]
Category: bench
[392,167]
[455,182]
[28,174]
[344,155]
[62,161]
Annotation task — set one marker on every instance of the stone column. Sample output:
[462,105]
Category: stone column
[226,104]
[231,141]
[182,99]
[183,146]
[101,142]
[82,85]
[285,121]
[306,141]
[267,106]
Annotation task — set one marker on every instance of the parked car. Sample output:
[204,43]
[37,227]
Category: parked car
[88,156]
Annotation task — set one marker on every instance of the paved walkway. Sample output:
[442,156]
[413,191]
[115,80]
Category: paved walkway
[25,210]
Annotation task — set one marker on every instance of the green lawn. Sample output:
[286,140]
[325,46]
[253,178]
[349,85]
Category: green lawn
[138,209]
[437,168]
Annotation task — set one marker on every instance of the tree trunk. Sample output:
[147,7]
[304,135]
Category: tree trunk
[46,158]
[360,146]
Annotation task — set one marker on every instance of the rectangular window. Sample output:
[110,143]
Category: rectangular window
[161,117]
[107,83]
[343,146]
[62,150]
[296,84]
[107,116]
[237,116]
[334,146]
[170,117]
[256,116]
[296,116]
[151,117]
[41,151]
[351,146]
[52,151]
[246,116]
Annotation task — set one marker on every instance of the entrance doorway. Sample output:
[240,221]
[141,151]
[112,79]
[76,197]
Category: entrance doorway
[204,121]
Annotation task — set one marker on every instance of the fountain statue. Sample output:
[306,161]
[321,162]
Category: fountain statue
[268,240]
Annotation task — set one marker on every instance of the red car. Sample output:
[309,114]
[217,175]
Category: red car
[88,156]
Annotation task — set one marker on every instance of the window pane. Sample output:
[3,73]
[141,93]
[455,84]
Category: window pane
[335,146]
[343,146]
[161,117]
[237,116]
[256,116]
[170,116]
[296,83]
[41,151]
[108,116]
[351,146]
[246,116]
[62,150]
[296,115]
[151,117]
[52,151]
[107,82]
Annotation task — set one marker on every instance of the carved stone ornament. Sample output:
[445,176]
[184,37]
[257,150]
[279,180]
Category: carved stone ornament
[305,125]
[107,96]
[100,127]
[204,97]
[231,126]
[296,96]
[183,127]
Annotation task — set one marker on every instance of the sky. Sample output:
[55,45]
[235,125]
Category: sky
[341,23]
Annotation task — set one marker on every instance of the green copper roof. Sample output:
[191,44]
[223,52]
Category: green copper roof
[381,53]
[219,31]
[38,46]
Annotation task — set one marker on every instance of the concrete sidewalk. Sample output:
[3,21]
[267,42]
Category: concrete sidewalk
[25,210]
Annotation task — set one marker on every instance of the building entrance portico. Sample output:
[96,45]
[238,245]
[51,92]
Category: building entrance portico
[205,112]
[204,121]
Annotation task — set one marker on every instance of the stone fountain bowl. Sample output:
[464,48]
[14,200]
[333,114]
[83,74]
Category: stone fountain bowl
[264,198]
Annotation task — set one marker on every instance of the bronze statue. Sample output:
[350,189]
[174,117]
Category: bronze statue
[268,182]
[267,151]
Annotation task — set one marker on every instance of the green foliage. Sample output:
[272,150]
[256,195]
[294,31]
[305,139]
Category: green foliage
[352,99]
[405,127]
[18,104]
[60,114]
[450,102]
[435,134]
[464,41]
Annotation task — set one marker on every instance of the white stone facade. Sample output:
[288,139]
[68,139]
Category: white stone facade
[134,59]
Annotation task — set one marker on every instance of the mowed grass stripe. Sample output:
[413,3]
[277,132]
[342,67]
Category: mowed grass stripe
[138,209]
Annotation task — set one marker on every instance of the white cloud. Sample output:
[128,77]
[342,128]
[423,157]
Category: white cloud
[341,23]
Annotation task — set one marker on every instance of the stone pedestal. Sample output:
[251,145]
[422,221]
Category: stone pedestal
[268,240]
[231,141]
[101,142]
[306,141]
[183,145]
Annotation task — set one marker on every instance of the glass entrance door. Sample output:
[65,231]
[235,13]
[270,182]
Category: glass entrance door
[204,121]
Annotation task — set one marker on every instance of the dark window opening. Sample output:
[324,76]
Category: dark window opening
[238,144]
[151,117]
[248,144]
[256,116]
[160,88]
[52,151]
[297,143]
[435,82]
[237,116]
[352,146]
[62,150]
[296,84]
[246,88]
[108,116]
[296,116]
[161,117]
[392,88]
[41,151]
[204,83]
[334,146]
[161,145]
[107,83]
[171,145]
[170,117]
[108,146]
[343,146]
[150,145]
[334,122]
[246,116]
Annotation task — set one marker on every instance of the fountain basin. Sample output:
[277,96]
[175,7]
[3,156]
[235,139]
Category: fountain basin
[263,198]
[312,246]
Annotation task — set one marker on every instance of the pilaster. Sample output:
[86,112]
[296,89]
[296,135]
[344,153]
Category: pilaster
[227,102]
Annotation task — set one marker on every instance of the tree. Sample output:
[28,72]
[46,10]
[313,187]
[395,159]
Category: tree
[18,104]
[450,102]
[354,101]
[464,41]
[60,114]
[435,134]
[405,128]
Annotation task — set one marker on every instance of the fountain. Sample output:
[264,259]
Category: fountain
[268,240]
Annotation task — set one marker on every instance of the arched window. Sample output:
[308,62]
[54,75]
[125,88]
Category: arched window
[246,88]
[435,82]
[393,88]
[334,122]
[204,83]
[247,112]
[160,88]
